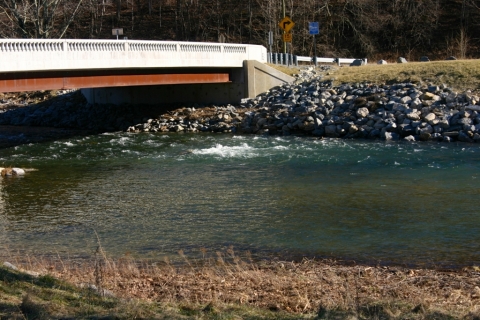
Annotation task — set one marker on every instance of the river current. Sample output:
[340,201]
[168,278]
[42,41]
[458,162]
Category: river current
[150,195]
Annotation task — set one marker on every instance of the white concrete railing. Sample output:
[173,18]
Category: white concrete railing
[72,54]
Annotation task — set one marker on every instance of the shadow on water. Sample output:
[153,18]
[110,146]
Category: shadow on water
[35,117]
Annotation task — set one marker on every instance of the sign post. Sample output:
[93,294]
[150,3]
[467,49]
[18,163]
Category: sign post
[117,32]
[314,29]
[270,43]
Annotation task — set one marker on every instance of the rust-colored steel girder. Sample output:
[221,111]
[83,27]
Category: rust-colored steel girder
[50,80]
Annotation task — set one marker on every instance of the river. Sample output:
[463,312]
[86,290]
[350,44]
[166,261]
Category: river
[150,195]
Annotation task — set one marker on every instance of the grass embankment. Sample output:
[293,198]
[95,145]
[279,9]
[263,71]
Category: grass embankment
[225,286]
[460,75]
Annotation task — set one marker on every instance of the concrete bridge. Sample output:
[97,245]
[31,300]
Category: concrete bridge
[126,71]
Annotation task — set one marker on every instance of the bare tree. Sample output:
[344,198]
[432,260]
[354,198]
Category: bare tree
[41,19]
[119,9]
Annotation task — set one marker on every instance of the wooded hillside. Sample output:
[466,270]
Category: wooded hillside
[373,29]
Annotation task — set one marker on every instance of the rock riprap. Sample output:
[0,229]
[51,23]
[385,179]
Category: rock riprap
[317,108]
[309,106]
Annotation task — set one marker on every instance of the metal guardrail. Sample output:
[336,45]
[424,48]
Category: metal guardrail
[289,59]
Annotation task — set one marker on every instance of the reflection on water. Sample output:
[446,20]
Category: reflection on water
[152,194]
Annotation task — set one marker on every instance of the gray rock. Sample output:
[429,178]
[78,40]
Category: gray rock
[178,128]
[331,130]
[406,100]
[413,115]
[381,62]
[463,137]
[401,60]
[424,59]
[357,63]
[425,136]
[362,112]
[429,117]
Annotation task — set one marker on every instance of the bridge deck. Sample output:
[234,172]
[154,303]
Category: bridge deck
[43,64]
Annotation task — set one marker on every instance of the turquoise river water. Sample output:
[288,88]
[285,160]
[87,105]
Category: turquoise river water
[150,195]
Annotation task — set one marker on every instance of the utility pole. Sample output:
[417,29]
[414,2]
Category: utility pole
[284,15]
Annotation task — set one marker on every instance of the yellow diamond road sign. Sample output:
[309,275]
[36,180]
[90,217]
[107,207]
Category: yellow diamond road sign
[286,24]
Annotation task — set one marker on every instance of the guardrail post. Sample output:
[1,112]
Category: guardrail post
[315,62]
[281,58]
[295,61]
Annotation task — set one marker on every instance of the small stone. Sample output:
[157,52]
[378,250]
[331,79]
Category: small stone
[427,96]
[178,128]
[413,115]
[362,112]
[425,136]
[429,117]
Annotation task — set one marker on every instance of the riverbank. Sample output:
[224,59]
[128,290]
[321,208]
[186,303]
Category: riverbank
[224,285]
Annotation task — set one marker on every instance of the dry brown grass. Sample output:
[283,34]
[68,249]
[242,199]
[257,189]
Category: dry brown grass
[461,75]
[306,287]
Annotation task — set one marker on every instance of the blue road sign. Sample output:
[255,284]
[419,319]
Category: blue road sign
[313,28]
